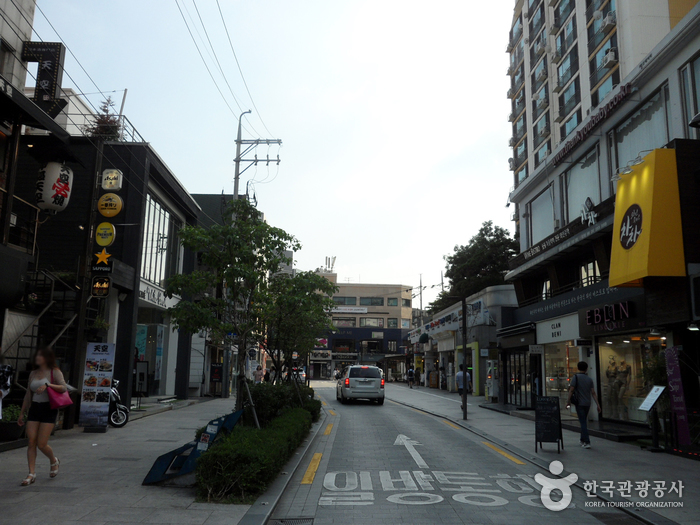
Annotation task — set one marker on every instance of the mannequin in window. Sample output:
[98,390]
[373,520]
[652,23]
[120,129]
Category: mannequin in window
[612,390]
[623,379]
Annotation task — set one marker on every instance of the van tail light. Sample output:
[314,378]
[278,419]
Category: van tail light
[347,382]
[382,383]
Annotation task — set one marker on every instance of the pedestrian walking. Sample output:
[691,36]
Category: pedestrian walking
[581,390]
[410,377]
[41,418]
[258,375]
[462,383]
[266,377]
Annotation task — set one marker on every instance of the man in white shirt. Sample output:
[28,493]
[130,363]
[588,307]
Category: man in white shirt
[459,378]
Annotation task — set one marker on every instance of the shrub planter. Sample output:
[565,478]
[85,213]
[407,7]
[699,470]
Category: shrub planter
[10,431]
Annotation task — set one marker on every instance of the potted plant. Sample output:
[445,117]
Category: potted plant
[98,328]
[9,429]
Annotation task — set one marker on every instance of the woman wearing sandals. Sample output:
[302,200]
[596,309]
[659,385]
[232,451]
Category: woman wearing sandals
[41,418]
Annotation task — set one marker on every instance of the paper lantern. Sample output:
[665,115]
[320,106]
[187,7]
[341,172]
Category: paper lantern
[54,186]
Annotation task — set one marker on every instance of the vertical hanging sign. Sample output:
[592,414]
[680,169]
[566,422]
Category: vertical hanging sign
[97,384]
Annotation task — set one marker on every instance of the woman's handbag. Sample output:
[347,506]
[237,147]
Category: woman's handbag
[58,399]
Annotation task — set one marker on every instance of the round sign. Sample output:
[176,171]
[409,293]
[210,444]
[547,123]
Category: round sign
[110,204]
[631,227]
[104,234]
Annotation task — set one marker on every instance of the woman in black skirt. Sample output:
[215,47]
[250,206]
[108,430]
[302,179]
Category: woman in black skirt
[41,418]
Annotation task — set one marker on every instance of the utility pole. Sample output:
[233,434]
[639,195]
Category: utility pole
[421,298]
[253,143]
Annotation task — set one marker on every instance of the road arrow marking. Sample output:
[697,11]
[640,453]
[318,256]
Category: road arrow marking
[405,441]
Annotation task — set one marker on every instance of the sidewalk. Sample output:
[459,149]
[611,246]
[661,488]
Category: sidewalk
[101,475]
[606,461]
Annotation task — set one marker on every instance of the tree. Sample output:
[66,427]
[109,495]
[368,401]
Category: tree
[481,263]
[105,124]
[297,312]
[226,293]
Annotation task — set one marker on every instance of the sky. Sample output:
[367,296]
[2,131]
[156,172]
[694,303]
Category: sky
[393,114]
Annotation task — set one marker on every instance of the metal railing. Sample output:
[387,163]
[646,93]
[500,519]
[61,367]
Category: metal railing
[22,223]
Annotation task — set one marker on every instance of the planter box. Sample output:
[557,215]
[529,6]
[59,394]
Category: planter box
[10,431]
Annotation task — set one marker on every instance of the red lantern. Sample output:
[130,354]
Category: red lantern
[53,187]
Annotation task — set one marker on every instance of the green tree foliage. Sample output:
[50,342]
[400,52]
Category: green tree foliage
[105,124]
[481,263]
[225,295]
[297,311]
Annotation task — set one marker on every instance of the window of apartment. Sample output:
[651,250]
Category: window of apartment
[520,153]
[568,67]
[582,182]
[518,77]
[571,124]
[596,35]
[519,102]
[597,69]
[347,301]
[570,97]
[517,54]
[690,82]
[540,102]
[589,273]
[537,76]
[546,289]
[541,219]
[646,129]
[606,87]
[517,29]
[541,130]
[521,175]
[392,323]
[406,303]
[542,154]
[371,301]
[392,301]
[161,249]
[564,9]
[519,127]
[566,36]
[345,322]
[374,322]
[405,323]
[536,19]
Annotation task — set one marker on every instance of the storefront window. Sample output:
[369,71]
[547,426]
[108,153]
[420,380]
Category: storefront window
[161,249]
[622,361]
[392,323]
[541,216]
[560,365]
[344,322]
[375,322]
[582,183]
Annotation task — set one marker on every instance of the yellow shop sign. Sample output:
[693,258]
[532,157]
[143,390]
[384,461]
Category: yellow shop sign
[647,232]
[104,234]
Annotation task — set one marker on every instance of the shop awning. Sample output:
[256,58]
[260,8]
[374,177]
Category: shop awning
[14,103]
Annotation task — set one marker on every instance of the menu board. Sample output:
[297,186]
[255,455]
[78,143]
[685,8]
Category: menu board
[548,421]
[97,383]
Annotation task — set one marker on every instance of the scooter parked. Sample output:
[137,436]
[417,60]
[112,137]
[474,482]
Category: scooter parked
[118,412]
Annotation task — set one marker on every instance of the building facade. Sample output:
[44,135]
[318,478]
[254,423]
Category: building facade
[587,289]
[371,322]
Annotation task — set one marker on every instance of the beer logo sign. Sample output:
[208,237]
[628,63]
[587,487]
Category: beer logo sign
[112,180]
[631,227]
[109,205]
[104,234]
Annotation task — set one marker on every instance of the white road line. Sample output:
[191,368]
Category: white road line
[407,442]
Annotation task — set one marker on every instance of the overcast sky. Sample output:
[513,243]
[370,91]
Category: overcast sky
[393,114]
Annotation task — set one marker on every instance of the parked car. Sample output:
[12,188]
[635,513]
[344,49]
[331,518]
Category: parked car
[298,374]
[361,382]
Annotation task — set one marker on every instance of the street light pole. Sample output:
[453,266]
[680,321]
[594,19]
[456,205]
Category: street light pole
[238,157]
[464,358]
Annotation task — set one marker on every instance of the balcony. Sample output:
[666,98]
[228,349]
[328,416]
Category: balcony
[567,75]
[597,36]
[564,10]
[569,106]
[519,159]
[565,44]
[595,6]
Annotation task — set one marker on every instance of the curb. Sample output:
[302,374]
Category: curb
[140,415]
[261,511]
[644,515]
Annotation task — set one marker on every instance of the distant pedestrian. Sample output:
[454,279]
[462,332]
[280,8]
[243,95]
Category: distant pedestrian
[417,377]
[258,375]
[581,390]
[410,376]
[41,418]
[266,377]
[462,383]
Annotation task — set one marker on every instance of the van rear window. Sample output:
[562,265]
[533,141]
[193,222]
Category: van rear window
[365,372]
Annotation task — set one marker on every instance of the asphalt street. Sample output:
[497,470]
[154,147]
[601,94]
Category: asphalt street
[391,463]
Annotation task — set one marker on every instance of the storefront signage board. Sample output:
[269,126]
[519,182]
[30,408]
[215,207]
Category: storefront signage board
[97,383]
[216,371]
[558,329]
[349,310]
[652,398]
[100,286]
[112,180]
[109,205]
[548,422]
[675,387]
[615,316]
[536,349]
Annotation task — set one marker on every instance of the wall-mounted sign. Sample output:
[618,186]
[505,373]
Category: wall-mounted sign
[49,78]
[629,314]
[112,180]
[100,286]
[156,296]
[631,227]
[105,234]
[558,329]
[320,355]
[110,204]
[377,335]
[349,310]
[101,262]
[536,349]
[595,119]
[53,187]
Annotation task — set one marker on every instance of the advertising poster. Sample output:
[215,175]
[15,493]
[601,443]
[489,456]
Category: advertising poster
[97,382]
[141,338]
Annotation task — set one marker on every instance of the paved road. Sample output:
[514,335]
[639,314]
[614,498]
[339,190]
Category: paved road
[391,463]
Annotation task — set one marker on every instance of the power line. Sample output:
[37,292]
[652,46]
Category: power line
[223,21]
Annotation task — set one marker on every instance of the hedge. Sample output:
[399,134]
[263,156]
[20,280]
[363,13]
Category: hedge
[270,400]
[245,462]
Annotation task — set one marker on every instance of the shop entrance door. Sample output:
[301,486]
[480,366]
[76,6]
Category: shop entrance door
[519,380]
[535,378]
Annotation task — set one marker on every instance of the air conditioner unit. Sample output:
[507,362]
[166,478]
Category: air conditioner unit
[610,58]
[510,93]
[544,131]
[511,142]
[511,117]
[609,22]
[540,48]
[509,47]
[510,71]
[513,216]
[556,26]
[511,164]
[543,102]
[558,117]
[542,75]
[556,56]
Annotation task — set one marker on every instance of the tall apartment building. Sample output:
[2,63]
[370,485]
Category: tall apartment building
[603,91]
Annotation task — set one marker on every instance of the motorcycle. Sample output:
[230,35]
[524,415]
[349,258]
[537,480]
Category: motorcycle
[118,412]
